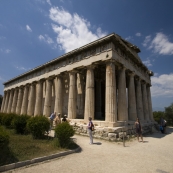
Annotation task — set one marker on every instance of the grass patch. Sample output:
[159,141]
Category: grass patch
[24,147]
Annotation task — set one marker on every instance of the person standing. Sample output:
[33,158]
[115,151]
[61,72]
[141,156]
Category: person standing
[52,117]
[138,129]
[58,119]
[90,128]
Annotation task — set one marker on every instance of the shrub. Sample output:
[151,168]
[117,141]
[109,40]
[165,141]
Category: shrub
[1,117]
[38,126]
[63,132]
[7,120]
[4,138]
[20,123]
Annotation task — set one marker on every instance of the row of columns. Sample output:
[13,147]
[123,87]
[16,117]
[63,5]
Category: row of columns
[118,105]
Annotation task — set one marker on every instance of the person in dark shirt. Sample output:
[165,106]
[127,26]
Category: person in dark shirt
[138,129]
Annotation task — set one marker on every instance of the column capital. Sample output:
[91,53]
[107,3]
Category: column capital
[132,73]
[92,66]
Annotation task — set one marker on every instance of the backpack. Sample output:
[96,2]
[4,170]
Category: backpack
[92,126]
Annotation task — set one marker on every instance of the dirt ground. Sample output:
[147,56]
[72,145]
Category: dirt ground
[155,154]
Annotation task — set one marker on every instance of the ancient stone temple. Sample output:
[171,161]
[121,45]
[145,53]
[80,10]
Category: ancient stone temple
[105,80]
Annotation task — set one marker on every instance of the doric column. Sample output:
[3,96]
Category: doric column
[3,101]
[58,94]
[98,99]
[6,101]
[131,98]
[10,101]
[111,105]
[149,103]
[31,102]
[139,103]
[72,96]
[48,96]
[145,102]
[39,98]
[25,100]
[122,100]
[19,100]
[89,94]
[14,103]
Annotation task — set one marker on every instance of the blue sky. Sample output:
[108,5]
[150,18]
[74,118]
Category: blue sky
[33,32]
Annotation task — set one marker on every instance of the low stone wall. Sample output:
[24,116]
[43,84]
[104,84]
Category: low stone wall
[112,133]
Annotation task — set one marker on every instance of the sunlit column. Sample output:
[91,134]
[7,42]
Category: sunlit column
[3,101]
[39,98]
[14,103]
[72,96]
[31,102]
[25,100]
[139,103]
[122,100]
[111,105]
[89,94]
[10,101]
[145,101]
[58,94]
[48,98]
[19,100]
[6,101]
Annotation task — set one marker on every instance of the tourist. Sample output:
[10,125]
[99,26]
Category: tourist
[57,119]
[52,117]
[162,125]
[138,129]
[64,119]
[90,125]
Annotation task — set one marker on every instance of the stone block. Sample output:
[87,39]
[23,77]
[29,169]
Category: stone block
[2,168]
[10,166]
[112,135]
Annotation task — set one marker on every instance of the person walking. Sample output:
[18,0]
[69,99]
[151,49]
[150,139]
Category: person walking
[138,129]
[90,129]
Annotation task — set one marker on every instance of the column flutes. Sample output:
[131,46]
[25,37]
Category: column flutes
[98,99]
[14,103]
[3,101]
[6,102]
[25,100]
[58,94]
[19,100]
[131,98]
[10,101]
[145,101]
[111,105]
[39,98]
[31,102]
[47,103]
[139,103]
[149,104]
[72,96]
[122,100]
[89,94]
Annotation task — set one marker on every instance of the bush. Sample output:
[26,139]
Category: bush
[7,120]
[4,138]
[20,123]
[38,126]
[63,132]
[1,117]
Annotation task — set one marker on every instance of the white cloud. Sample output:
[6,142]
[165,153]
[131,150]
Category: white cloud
[161,44]
[138,34]
[22,68]
[28,28]
[48,1]
[5,50]
[129,38]
[72,30]
[147,62]
[46,38]
[162,85]
[147,40]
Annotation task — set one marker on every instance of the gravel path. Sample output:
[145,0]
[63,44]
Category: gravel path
[154,155]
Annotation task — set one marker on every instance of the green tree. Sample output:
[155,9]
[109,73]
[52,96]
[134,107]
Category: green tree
[157,115]
[169,114]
